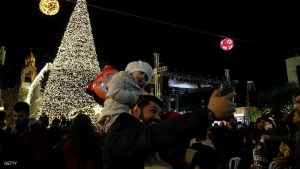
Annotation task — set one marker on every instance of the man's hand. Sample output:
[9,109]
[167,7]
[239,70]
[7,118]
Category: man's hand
[221,106]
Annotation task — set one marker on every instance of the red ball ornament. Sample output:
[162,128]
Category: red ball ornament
[226,44]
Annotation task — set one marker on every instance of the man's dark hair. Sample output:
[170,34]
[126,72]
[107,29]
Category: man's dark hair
[2,115]
[145,99]
[22,106]
[259,119]
[205,157]
[297,93]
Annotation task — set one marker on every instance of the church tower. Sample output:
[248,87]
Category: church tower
[28,74]
[293,69]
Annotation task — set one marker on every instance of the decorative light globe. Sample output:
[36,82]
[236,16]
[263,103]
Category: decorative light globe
[226,44]
[49,7]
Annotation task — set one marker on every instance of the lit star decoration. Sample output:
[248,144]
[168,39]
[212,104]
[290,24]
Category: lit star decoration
[49,7]
[74,66]
[227,44]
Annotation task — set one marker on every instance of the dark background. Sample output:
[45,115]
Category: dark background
[185,33]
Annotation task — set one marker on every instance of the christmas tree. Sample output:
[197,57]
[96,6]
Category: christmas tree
[75,65]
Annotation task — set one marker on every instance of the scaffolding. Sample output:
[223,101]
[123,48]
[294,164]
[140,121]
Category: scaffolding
[250,89]
[158,71]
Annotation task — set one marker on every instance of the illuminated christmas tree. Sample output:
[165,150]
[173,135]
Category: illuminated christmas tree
[75,65]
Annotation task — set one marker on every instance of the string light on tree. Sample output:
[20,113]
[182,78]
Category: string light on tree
[74,66]
[49,7]
[226,44]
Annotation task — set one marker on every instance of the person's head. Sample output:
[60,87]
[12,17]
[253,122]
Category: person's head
[81,124]
[204,158]
[222,124]
[260,123]
[2,116]
[81,136]
[63,120]
[296,117]
[20,112]
[140,71]
[229,124]
[148,109]
[44,119]
[55,122]
[297,100]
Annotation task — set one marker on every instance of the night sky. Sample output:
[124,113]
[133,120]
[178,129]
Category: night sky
[186,34]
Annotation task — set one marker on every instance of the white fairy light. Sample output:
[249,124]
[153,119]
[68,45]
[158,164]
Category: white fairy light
[75,65]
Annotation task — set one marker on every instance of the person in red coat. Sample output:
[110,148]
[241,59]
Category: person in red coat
[80,147]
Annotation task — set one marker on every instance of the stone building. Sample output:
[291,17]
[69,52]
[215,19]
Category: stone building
[10,95]
[293,69]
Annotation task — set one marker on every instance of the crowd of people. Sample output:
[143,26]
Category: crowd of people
[136,133]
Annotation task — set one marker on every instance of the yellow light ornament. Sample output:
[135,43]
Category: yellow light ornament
[49,7]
